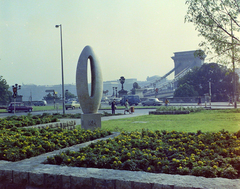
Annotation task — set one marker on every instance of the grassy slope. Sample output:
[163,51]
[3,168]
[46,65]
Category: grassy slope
[211,121]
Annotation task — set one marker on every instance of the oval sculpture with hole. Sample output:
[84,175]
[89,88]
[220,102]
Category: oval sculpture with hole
[89,103]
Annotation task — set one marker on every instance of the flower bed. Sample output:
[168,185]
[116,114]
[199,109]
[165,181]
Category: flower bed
[20,143]
[199,154]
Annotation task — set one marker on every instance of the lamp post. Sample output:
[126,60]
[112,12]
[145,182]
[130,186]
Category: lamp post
[122,81]
[66,91]
[113,92]
[116,91]
[234,75]
[63,95]
[15,88]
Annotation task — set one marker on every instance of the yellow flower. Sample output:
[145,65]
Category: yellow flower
[149,168]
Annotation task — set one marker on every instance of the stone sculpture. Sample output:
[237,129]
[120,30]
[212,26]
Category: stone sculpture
[90,119]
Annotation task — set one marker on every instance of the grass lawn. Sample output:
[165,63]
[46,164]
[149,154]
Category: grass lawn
[208,120]
[41,108]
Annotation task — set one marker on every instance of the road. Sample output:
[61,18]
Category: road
[214,105]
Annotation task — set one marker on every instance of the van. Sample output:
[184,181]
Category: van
[132,100]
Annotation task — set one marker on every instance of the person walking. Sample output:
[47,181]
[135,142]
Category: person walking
[199,101]
[126,107]
[230,101]
[113,106]
[166,102]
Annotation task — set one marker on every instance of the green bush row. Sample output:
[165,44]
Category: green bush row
[23,121]
[175,108]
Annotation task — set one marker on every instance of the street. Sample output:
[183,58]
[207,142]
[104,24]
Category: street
[142,111]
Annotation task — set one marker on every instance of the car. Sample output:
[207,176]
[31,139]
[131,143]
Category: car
[19,106]
[152,102]
[117,100]
[105,99]
[40,103]
[72,105]
[132,100]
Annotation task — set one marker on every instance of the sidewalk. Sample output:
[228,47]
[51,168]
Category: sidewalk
[106,118]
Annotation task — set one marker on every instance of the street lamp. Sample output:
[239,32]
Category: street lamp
[116,91]
[122,81]
[15,88]
[113,92]
[63,95]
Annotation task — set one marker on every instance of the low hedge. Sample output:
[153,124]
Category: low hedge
[29,120]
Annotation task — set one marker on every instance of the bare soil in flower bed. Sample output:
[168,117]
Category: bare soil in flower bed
[200,154]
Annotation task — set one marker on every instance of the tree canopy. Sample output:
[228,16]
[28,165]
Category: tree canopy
[217,21]
[197,80]
[5,94]
[185,90]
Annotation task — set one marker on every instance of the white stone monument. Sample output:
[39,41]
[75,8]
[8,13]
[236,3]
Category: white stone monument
[90,119]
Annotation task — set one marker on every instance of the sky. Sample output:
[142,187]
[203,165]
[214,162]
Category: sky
[131,38]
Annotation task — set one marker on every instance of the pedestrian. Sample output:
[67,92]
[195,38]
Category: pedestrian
[166,102]
[126,107]
[113,106]
[230,101]
[199,101]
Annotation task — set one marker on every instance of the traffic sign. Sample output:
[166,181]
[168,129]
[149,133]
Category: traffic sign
[14,89]
[49,91]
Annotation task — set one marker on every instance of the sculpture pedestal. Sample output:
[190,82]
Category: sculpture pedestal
[91,121]
[139,92]
[122,93]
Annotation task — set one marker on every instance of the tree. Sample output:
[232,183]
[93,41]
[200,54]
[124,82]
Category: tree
[50,97]
[69,95]
[5,95]
[217,22]
[199,78]
[185,90]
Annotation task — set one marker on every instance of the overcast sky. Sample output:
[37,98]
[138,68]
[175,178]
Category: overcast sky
[131,38]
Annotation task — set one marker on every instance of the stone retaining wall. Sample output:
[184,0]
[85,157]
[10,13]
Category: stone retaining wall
[32,174]
[168,112]
[71,124]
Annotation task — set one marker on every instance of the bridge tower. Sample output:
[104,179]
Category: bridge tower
[185,60]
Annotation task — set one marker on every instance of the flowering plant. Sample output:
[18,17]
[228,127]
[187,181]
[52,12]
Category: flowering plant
[199,154]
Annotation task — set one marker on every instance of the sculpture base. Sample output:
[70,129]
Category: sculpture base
[122,93]
[91,121]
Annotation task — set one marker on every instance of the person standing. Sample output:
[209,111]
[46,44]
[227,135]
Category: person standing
[113,106]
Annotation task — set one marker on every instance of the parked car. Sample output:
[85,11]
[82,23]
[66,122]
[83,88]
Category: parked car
[105,99]
[19,106]
[152,102]
[72,105]
[117,100]
[132,100]
[40,103]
